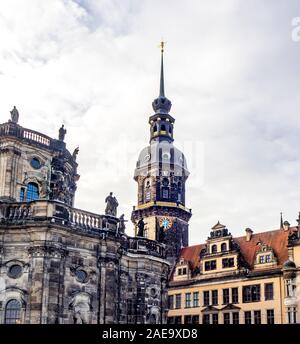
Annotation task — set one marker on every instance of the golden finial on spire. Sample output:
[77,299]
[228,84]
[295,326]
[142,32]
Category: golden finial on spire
[162,45]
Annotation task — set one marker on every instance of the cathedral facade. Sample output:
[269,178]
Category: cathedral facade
[60,264]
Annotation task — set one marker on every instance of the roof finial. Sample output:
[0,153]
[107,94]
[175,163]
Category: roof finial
[162,81]
[281,221]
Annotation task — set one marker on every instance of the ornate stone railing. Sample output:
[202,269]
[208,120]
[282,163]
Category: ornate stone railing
[15,130]
[146,246]
[85,219]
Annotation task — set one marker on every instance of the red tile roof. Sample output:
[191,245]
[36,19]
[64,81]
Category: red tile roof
[277,239]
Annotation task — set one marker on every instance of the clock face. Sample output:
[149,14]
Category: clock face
[165,222]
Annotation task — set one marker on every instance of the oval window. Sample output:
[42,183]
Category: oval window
[35,163]
[15,271]
[81,276]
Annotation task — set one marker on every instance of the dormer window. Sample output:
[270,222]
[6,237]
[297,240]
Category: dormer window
[224,247]
[214,249]
[210,265]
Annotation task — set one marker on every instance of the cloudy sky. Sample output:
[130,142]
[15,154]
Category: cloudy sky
[232,73]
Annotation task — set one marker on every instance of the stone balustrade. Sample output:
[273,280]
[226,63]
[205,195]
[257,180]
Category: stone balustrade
[145,246]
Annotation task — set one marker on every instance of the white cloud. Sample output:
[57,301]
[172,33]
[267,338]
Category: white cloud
[231,74]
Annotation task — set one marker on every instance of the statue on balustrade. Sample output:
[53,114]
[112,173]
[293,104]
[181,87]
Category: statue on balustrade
[75,153]
[122,226]
[44,188]
[14,113]
[62,133]
[111,205]
[141,228]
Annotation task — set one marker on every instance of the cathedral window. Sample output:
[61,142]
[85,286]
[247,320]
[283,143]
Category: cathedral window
[35,163]
[15,271]
[32,193]
[12,312]
[22,194]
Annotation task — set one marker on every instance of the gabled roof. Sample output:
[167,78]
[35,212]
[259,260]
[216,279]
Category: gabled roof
[276,239]
[218,225]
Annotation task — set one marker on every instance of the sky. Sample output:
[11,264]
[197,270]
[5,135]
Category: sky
[231,71]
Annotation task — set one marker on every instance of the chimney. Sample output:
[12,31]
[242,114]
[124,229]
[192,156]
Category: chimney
[286,226]
[249,233]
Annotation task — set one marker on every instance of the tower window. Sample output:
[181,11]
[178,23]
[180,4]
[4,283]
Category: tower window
[12,312]
[155,128]
[163,127]
[223,247]
[165,193]
[32,193]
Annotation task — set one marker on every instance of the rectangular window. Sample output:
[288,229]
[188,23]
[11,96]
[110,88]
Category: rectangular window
[248,319]
[187,300]
[210,265]
[226,296]
[184,271]
[148,196]
[292,315]
[228,263]
[188,319]
[268,258]
[206,319]
[171,301]
[196,299]
[235,318]
[171,320]
[195,319]
[215,318]
[178,301]
[257,317]
[235,295]
[269,291]
[206,298]
[215,300]
[251,293]
[270,316]
[290,287]
[262,259]
[177,320]
[226,318]
[165,193]
[179,272]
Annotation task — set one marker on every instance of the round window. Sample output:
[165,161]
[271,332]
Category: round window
[153,292]
[15,271]
[81,276]
[35,163]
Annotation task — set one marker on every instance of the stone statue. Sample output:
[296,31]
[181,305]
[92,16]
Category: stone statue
[14,113]
[111,205]
[62,133]
[122,224]
[141,227]
[75,153]
[44,189]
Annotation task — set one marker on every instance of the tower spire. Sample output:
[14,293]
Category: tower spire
[162,81]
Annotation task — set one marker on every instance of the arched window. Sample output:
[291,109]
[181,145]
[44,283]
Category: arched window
[214,249]
[223,247]
[163,127]
[147,190]
[32,192]
[12,312]
[170,129]
[155,128]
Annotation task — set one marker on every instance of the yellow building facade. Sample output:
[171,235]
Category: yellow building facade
[253,279]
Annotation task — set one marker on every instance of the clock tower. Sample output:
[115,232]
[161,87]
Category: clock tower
[161,172]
